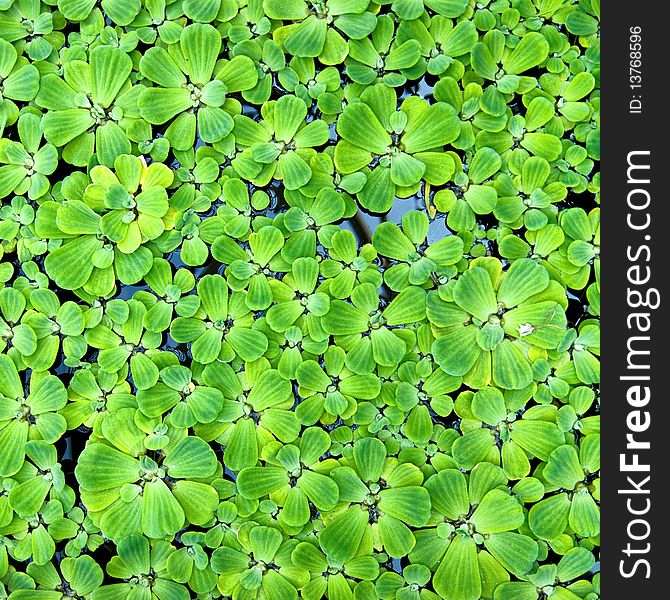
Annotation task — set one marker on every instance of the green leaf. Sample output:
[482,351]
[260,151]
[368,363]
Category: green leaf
[458,351]
[474,293]
[457,576]
[191,458]
[101,467]
[110,68]
[342,536]
[435,127]
[524,279]
[359,126]
[531,51]
[540,438]
[159,105]
[70,265]
[256,482]
[516,552]
[200,45]
[161,514]
[549,517]
[497,512]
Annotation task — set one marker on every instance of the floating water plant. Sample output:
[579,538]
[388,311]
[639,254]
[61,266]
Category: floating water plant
[299,300]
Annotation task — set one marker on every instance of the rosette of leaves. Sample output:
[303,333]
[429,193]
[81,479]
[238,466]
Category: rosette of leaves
[538,244]
[92,395]
[30,539]
[574,167]
[573,492]
[40,477]
[80,576]
[488,422]
[14,333]
[268,57]
[330,578]
[421,392]
[473,544]
[188,402]
[200,170]
[286,351]
[405,145]
[280,146]
[106,225]
[123,342]
[549,385]
[348,265]
[415,261]
[479,116]
[575,414]
[17,230]
[191,88]
[158,22]
[128,489]
[188,233]
[301,78]
[370,333]
[380,57]
[580,349]
[190,564]
[133,198]
[377,417]
[230,515]
[442,43]
[581,248]
[222,328]
[333,391]
[297,297]
[259,566]
[567,95]
[560,580]
[57,328]
[253,270]
[472,193]
[294,477]
[142,565]
[320,30]
[78,530]
[411,584]
[240,207]
[256,410]
[380,499]
[492,60]
[495,318]
[90,107]
[34,417]
[249,23]
[27,162]
[523,137]
[171,296]
[30,24]
[309,220]
[324,177]
[527,200]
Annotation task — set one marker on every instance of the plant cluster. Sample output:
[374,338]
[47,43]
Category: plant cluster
[300,299]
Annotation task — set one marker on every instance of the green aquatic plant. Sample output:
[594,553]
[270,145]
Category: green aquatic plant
[299,299]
